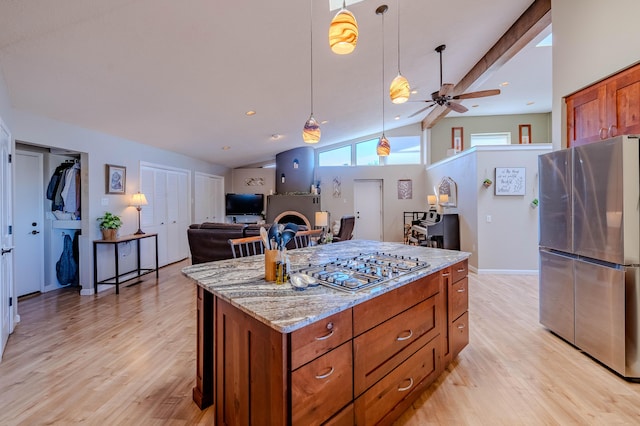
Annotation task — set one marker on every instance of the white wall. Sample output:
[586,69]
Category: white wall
[393,208]
[592,39]
[100,149]
[509,243]
[5,106]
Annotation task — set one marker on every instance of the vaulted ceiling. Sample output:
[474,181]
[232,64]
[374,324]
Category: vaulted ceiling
[181,75]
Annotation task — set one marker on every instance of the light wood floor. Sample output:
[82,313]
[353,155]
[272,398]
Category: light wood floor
[130,360]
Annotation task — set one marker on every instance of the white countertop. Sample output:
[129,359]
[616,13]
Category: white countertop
[241,282]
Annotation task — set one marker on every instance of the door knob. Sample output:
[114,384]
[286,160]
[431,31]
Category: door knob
[34,224]
[34,232]
[5,251]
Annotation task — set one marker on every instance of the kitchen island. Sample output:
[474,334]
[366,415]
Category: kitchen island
[270,354]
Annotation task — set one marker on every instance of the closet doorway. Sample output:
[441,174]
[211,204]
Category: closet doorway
[46,229]
[29,222]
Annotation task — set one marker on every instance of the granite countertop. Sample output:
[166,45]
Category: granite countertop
[285,309]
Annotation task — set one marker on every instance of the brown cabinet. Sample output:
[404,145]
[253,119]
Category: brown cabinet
[456,288]
[362,365]
[606,109]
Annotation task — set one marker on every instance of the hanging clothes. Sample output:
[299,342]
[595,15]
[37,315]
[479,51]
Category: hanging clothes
[66,266]
[70,189]
[64,188]
[56,183]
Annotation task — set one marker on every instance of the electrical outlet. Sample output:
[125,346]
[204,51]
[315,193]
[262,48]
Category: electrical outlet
[488,218]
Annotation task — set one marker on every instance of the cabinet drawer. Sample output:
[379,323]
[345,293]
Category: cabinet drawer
[386,398]
[459,297]
[459,271]
[320,337]
[381,349]
[322,387]
[459,334]
[372,312]
[343,418]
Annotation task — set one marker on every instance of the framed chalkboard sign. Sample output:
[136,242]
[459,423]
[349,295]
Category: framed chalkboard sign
[510,180]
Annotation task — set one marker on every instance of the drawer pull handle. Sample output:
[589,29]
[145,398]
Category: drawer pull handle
[325,337]
[460,290]
[461,270]
[400,338]
[324,376]
[406,388]
[461,327]
[446,274]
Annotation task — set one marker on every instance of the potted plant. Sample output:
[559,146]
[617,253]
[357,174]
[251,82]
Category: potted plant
[109,225]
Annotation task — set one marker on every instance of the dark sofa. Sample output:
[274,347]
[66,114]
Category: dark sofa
[209,241]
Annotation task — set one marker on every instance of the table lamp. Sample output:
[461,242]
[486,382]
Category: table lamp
[138,200]
[322,220]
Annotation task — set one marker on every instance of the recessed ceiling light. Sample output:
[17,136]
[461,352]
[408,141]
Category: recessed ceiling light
[504,83]
[475,106]
[276,136]
[414,91]
[226,148]
[397,117]
[250,113]
[324,121]
[530,103]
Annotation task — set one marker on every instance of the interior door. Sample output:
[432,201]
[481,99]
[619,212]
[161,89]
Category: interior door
[28,224]
[7,308]
[367,203]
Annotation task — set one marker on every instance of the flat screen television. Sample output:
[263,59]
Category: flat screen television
[244,204]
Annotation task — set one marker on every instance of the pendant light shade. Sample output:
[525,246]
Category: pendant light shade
[343,32]
[311,131]
[399,91]
[383,149]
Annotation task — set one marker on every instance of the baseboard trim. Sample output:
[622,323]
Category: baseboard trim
[504,271]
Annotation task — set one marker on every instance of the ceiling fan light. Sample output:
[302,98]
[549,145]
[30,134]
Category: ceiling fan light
[311,131]
[343,33]
[399,91]
[383,149]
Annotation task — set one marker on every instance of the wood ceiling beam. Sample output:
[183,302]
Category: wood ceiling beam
[528,26]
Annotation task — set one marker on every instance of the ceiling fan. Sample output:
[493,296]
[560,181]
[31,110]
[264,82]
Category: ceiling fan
[443,97]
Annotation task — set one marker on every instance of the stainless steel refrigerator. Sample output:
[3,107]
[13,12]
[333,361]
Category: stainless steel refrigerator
[590,249]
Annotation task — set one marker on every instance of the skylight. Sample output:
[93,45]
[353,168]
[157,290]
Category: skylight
[546,42]
[337,4]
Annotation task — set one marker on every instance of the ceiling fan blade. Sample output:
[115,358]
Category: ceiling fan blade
[480,94]
[457,107]
[420,111]
[445,89]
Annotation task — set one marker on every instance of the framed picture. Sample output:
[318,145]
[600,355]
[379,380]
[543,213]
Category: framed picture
[116,179]
[457,141]
[524,133]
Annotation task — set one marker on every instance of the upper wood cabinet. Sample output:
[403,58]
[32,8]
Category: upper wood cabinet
[606,109]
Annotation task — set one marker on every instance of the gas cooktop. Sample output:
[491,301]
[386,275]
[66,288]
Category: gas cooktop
[363,271]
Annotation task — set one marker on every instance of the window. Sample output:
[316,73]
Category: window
[503,138]
[336,157]
[366,153]
[404,150]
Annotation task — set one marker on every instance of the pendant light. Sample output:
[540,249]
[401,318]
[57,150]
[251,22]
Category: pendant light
[311,131]
[383,148]
[343,31]
[399,90]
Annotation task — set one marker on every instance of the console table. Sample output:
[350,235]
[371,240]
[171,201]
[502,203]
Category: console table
[124,276]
